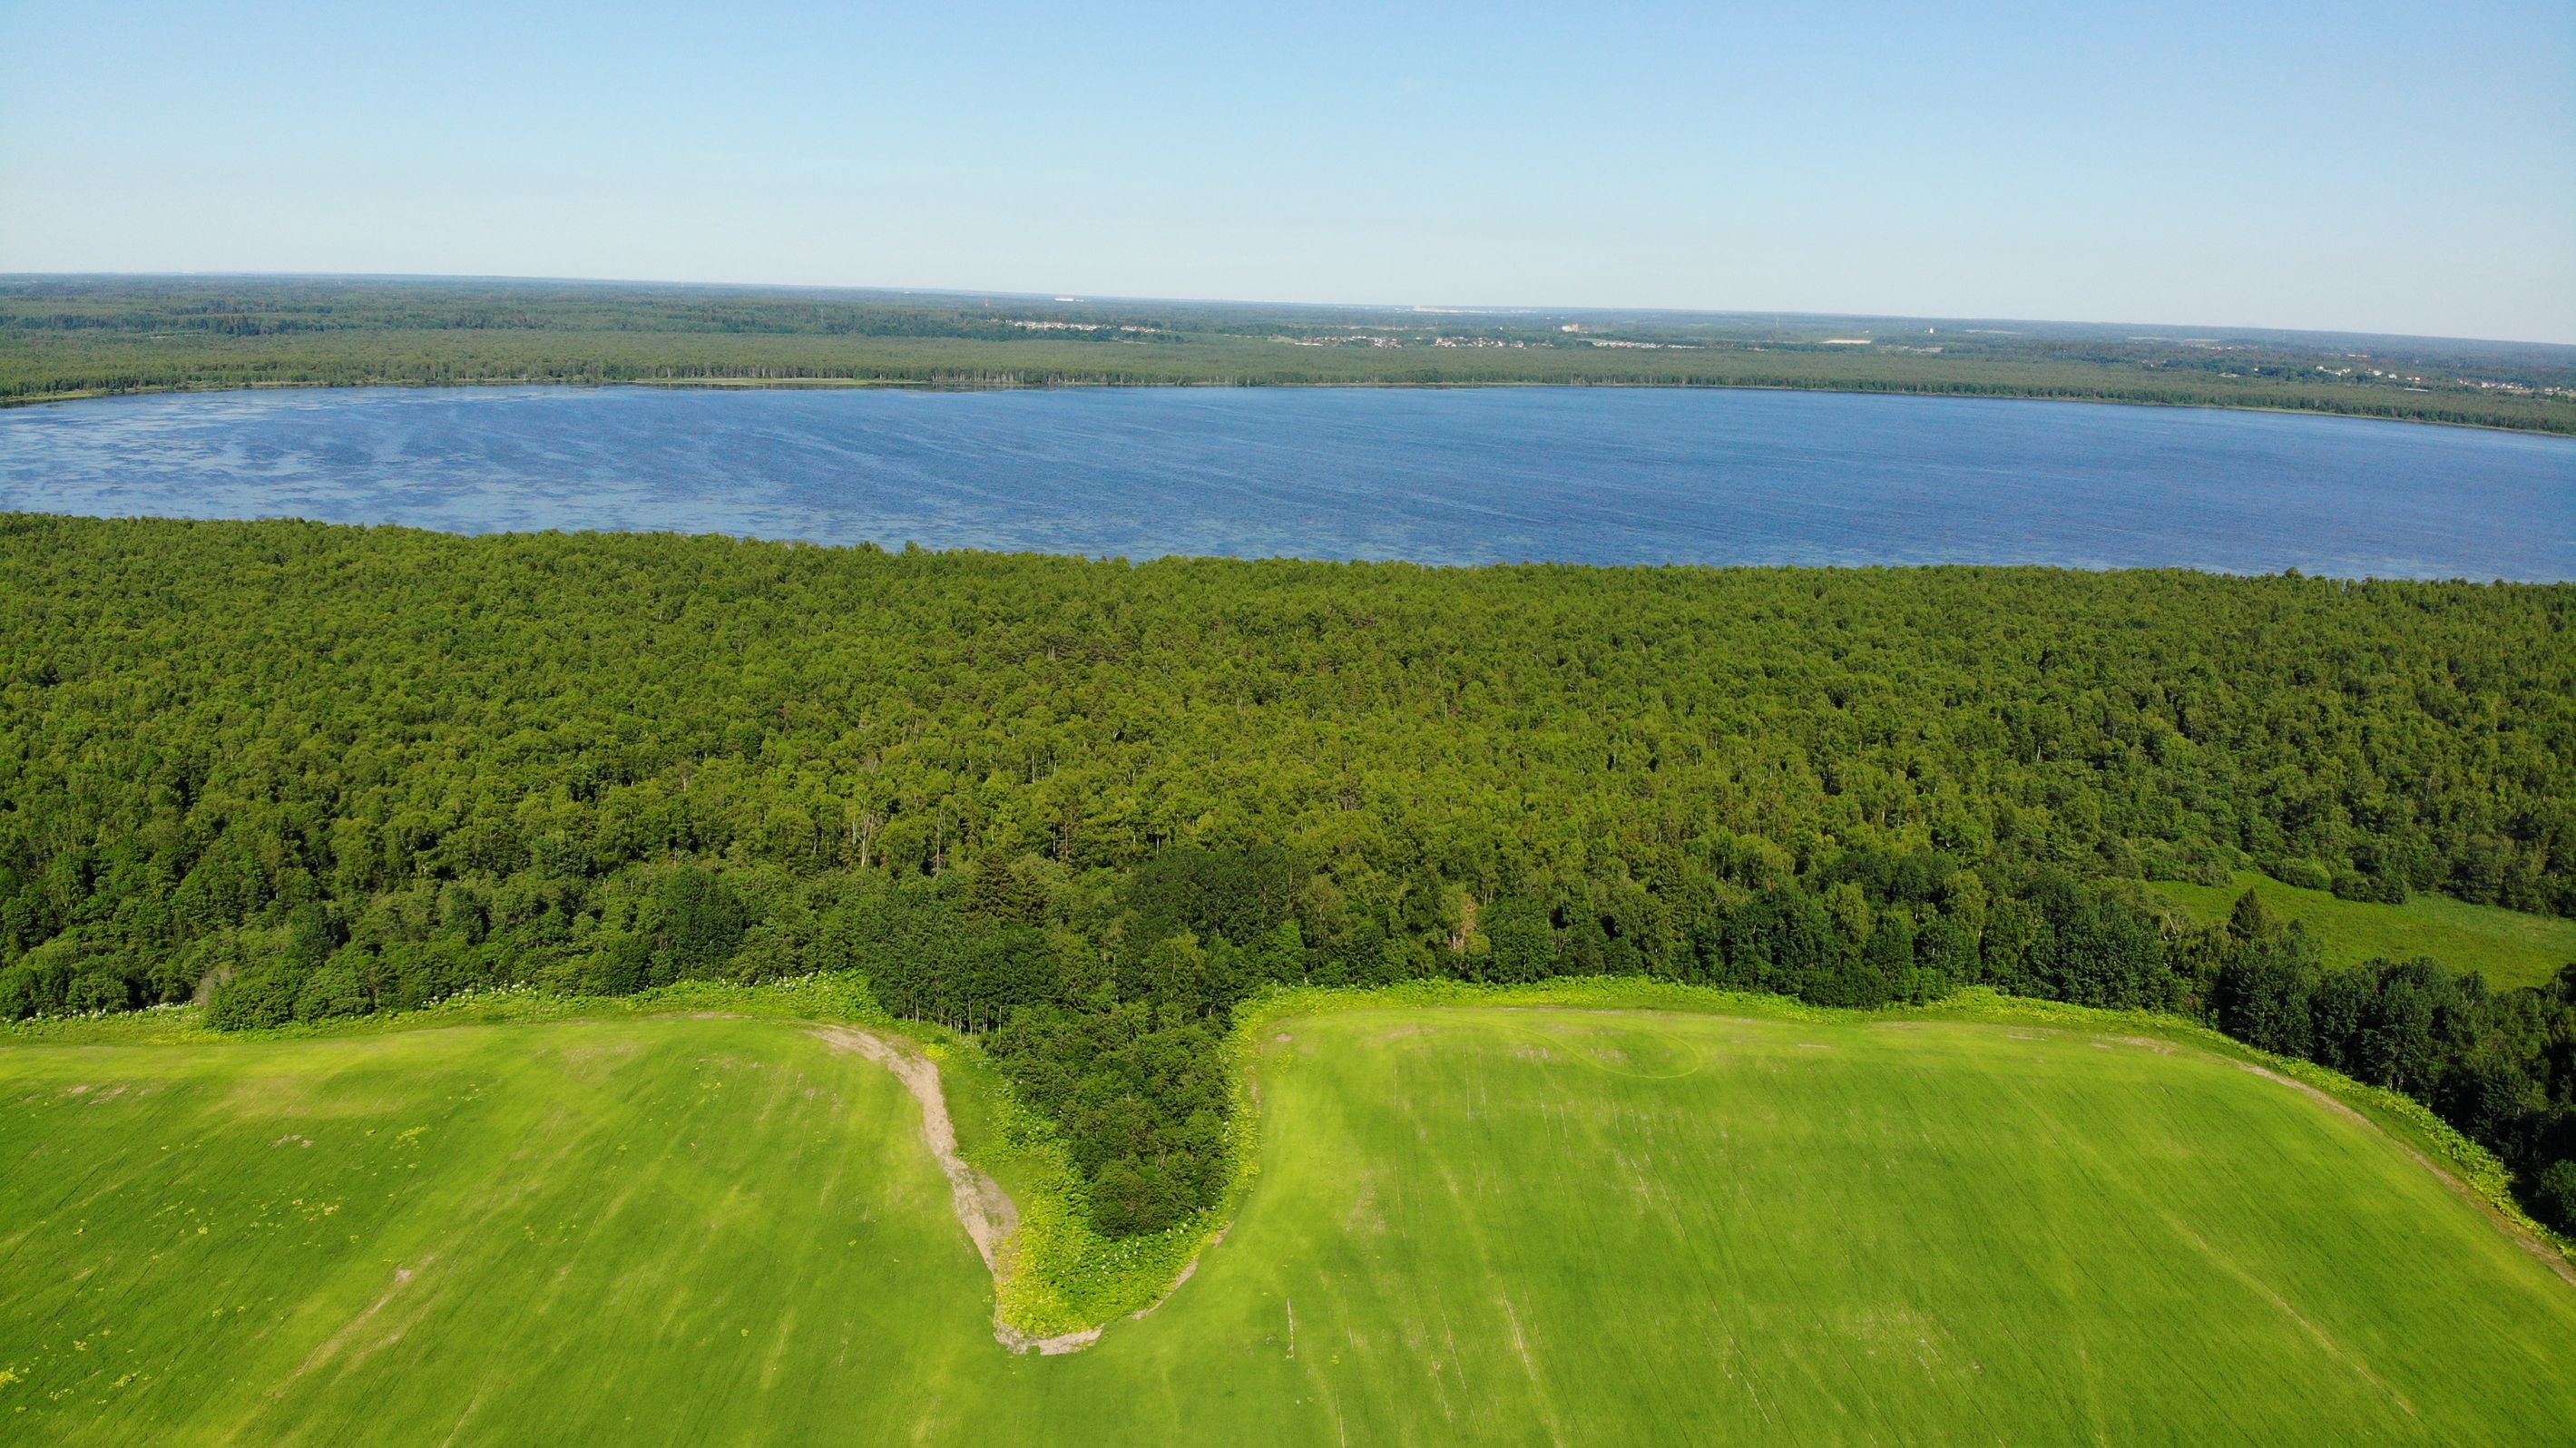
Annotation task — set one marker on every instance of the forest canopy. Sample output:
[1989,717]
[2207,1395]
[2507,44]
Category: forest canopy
[1082,808]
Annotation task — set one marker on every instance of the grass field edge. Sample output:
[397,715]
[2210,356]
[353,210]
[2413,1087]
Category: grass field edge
[1060,1276]
[2470,1166]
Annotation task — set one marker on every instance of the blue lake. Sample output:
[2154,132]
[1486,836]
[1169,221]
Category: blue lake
[1589,475]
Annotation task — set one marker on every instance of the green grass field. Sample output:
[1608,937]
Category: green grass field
[1469,1225]
[2508,947]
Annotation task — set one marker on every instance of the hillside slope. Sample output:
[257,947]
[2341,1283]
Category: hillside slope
[2509,947]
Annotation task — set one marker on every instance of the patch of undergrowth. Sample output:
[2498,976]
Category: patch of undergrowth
[1059,1273]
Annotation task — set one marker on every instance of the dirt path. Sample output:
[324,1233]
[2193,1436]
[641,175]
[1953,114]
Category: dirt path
[983,1208]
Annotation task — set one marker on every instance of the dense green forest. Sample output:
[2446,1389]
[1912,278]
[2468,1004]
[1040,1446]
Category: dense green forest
[1083,808]
[79,336]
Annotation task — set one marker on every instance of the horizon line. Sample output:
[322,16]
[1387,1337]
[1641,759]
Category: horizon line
[1059,297]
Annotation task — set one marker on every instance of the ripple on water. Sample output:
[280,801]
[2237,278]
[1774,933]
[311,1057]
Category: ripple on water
[1459,476]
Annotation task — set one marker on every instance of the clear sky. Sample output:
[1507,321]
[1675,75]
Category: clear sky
[2376,167]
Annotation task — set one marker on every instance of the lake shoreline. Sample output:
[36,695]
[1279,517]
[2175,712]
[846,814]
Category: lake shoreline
[1440,475]
[908,384]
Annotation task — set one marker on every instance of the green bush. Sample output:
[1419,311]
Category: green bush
[264,995]
[2306,874]
[332,990]
[2552,1195]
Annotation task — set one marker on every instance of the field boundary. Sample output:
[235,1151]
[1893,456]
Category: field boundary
[2471,1168]
[2467,1168]
[1058,1282]
[2556,1259]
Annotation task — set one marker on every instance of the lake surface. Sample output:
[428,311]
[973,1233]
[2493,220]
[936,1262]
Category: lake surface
[1588,475]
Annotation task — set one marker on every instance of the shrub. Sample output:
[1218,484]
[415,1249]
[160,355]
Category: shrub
[100,985]
[2306,874]
[263,995]
[332,990]
[2354,885]
[2553,1195]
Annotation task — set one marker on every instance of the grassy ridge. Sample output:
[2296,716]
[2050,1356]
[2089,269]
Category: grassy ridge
[1485,1225]
[2508,947]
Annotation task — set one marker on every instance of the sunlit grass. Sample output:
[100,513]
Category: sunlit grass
[2508,947]
[1469,1225]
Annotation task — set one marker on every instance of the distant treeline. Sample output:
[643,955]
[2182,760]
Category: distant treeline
[72,337]
[1084,808]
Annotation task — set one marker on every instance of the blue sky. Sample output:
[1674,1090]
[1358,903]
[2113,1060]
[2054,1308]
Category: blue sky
[2362,166]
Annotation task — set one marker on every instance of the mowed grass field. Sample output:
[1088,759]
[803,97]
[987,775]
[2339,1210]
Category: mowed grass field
[1523,1226]
[668,1230]
[2508,947]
